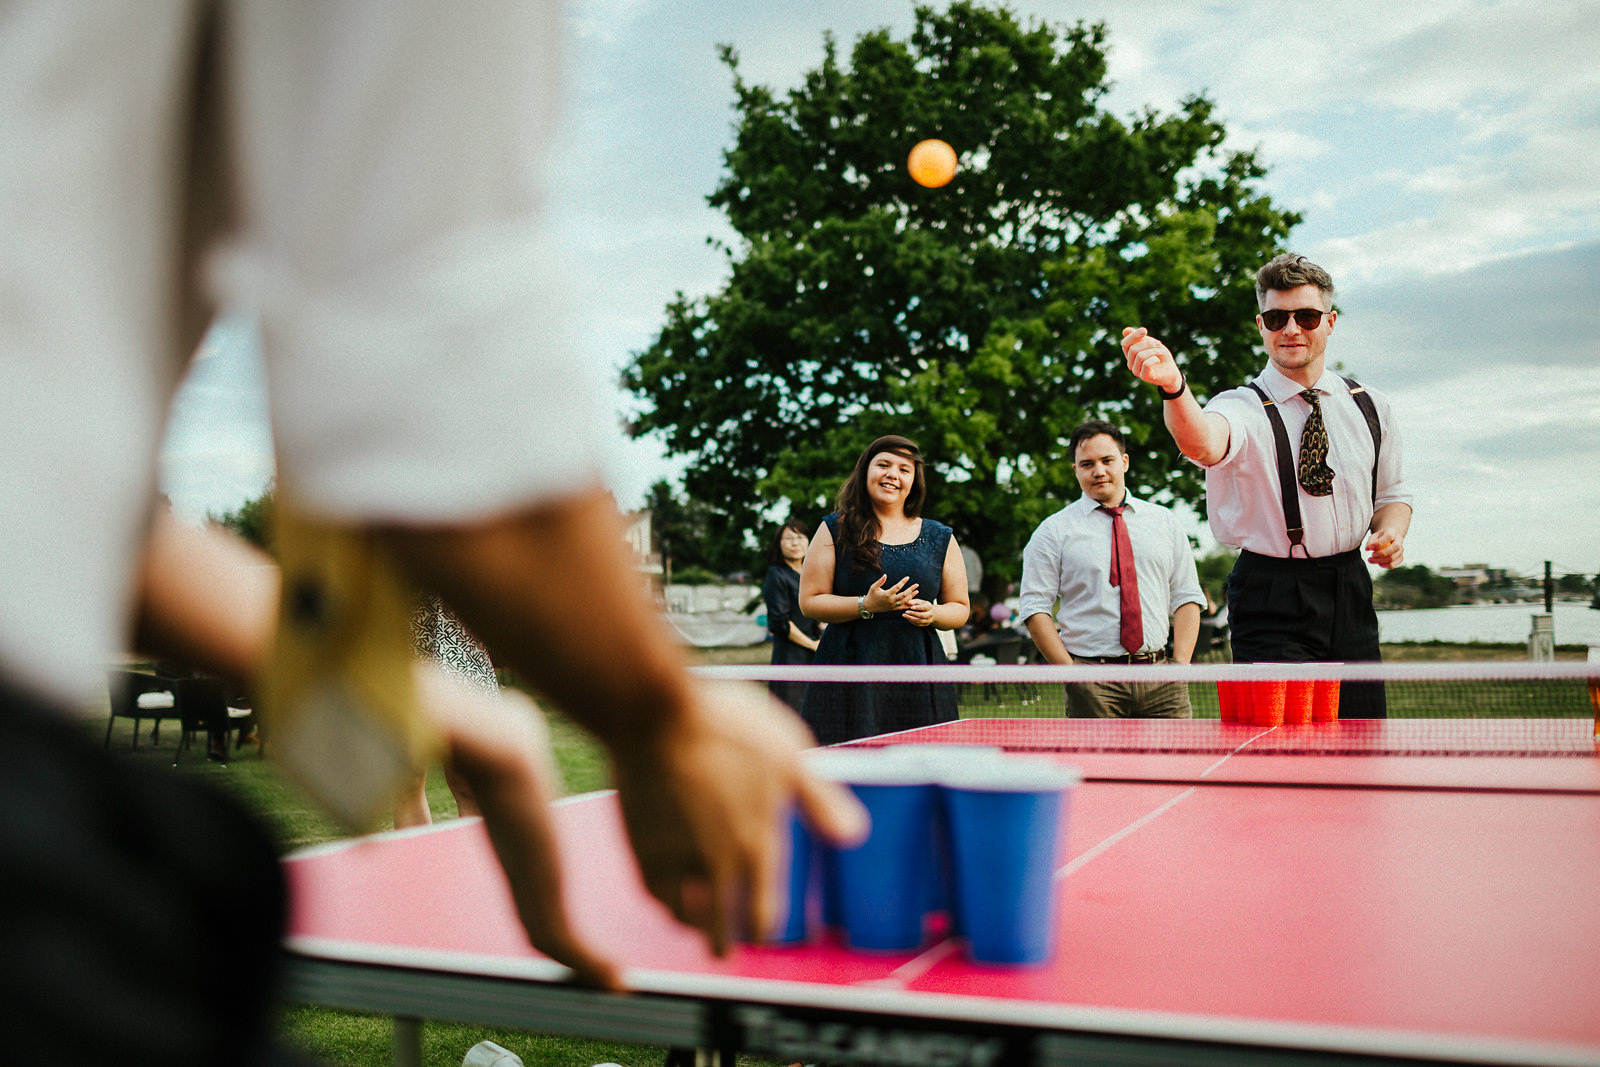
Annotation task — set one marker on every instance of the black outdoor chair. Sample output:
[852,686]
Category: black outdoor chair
[206,705]
[138,695]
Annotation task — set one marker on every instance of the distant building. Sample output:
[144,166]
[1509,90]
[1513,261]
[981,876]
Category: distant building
[1472,575]
[636,531]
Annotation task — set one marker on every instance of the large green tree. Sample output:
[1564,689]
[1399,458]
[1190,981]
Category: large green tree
[980,319]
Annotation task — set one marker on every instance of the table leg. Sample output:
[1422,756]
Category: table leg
[407,1048]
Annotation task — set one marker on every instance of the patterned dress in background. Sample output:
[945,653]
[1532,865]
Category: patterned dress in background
[440,636]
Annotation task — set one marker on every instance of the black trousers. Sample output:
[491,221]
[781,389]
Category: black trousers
[1308,611]
[142,911]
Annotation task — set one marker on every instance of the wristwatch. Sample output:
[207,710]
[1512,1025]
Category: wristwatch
[861,607]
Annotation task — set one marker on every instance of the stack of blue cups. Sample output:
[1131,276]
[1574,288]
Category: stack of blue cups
[962,830]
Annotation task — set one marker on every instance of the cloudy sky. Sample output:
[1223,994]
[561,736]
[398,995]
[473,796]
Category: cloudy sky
[1444,155]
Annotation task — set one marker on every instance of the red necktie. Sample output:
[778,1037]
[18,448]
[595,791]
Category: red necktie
[1125,578]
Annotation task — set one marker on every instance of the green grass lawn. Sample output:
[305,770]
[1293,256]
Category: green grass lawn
[357,1040]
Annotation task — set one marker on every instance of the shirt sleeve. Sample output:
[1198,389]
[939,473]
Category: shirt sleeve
[1041,562]
[1183,583]
[780,603]
[1391,485]
[413,299]
[1237,406]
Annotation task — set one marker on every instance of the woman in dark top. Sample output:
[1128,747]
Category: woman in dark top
[794,637]
[884,579]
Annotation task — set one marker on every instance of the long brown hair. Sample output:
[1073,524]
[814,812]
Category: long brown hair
[858,524]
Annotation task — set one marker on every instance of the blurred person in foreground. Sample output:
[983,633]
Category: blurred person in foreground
[1302,475]
[365,179]
[885,579]
[1113,607]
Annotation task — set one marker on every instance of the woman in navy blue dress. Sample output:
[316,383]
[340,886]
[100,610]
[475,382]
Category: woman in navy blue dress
[885,580]
[794,637]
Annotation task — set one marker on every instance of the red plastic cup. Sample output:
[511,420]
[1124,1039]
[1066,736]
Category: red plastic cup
[1228,701]
[1266,702]
[1325,700]
[1297,701]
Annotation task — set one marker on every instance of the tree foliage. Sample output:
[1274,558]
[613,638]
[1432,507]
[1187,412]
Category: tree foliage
[252,520]
[691,536]
[980,319]
[1213,571]
[1414,587]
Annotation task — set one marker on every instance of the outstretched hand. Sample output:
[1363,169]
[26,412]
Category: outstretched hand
[501,749]
[1150,360]
[704,795]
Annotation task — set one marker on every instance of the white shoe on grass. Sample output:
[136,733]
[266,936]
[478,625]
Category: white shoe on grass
[489,1054]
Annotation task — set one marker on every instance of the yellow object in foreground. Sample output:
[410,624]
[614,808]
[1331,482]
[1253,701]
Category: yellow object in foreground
[339,708]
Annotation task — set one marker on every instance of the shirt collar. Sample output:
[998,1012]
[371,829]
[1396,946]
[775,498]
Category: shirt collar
[1090,503]
[1281,387]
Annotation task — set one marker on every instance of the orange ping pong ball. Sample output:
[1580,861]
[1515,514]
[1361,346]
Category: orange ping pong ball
[932,163]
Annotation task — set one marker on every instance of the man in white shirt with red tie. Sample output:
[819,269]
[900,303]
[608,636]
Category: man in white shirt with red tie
[1119,568]
[1302,467]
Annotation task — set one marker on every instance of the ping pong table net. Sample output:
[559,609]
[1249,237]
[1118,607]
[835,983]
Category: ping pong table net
[1511,708]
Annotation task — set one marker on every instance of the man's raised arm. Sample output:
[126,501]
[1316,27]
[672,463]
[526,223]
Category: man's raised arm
[1202,437]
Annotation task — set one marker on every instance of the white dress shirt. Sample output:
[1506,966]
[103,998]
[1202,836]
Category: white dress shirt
[390,237]
[1068,558]
[1243,504]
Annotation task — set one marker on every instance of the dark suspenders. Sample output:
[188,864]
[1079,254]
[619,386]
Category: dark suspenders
[1369,411]
[1287,484]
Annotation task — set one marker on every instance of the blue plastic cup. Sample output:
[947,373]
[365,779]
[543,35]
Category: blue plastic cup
[936,760]
[796,927]
[882,883]
[1005,820]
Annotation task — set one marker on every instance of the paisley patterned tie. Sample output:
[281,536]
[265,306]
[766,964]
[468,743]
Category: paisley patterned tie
[1313,472]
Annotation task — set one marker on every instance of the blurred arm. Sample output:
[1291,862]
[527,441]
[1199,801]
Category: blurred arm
[210,600]
[205,598]
[704,772]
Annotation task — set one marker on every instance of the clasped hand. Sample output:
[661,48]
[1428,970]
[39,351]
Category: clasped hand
[919,613]
[897,597]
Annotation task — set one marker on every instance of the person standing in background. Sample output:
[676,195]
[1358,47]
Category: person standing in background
[885,580]
[1120,569]
[794,637]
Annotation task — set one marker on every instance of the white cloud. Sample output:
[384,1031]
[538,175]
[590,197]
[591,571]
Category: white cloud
[1507,489]
[1442,152]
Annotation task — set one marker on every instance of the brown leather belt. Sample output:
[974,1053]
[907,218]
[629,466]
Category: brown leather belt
[1133,657]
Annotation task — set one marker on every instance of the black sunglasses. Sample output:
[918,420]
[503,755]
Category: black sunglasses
[1305,318]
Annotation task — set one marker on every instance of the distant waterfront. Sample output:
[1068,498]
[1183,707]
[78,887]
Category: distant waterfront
[1575,623]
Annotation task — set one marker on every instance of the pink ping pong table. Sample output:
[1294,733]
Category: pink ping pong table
[1238,906]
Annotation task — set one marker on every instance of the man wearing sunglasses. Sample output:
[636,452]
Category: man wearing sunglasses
[1302,476]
